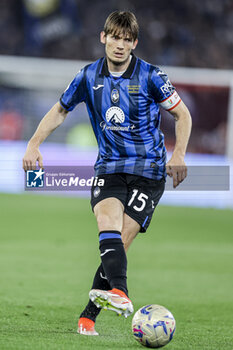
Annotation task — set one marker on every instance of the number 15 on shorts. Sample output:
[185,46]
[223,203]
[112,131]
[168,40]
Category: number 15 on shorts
[141,197]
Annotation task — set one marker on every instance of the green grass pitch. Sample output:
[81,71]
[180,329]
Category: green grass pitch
[49,253]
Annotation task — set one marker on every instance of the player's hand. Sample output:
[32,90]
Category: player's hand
[177,169]
[31,157]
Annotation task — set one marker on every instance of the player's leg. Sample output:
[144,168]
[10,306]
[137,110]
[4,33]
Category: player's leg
[122,223]
[129,231]
[109,216]
[88,316]
[108,206]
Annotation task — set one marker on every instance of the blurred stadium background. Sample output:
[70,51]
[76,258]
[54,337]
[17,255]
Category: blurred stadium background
[43,43]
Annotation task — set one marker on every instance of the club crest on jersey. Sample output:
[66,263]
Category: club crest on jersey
[115,95]
[115,114]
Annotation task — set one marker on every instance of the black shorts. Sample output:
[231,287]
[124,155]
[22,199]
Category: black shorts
[138,194]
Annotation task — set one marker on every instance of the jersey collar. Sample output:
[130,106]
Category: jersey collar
[128,74]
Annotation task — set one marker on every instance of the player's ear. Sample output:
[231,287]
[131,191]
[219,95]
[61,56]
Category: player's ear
[103,37]
[135,44]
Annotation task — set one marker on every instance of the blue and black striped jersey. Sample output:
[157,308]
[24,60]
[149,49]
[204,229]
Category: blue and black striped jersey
[125,116]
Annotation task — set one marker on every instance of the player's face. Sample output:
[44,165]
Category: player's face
[118,48]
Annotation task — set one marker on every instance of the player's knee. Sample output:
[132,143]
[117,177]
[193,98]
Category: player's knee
[108,222]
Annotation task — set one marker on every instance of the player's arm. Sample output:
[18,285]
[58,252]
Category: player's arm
[176,166]
[50,122]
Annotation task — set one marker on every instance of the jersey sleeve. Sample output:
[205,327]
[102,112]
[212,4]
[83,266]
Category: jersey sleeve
[75,92]
[163,91]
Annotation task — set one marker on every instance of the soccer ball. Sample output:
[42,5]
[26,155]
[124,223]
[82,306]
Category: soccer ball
[153,326]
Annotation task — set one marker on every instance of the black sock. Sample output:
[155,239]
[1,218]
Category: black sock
[115,267]
[100,282]
[114,259]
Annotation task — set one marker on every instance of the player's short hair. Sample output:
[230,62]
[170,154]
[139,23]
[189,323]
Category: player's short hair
[122,22]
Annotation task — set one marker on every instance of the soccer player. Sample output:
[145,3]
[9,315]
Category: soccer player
[123,95]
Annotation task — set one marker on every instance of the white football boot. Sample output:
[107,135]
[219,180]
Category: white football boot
[115,300]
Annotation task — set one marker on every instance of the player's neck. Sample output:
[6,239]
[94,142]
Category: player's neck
[115,67]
